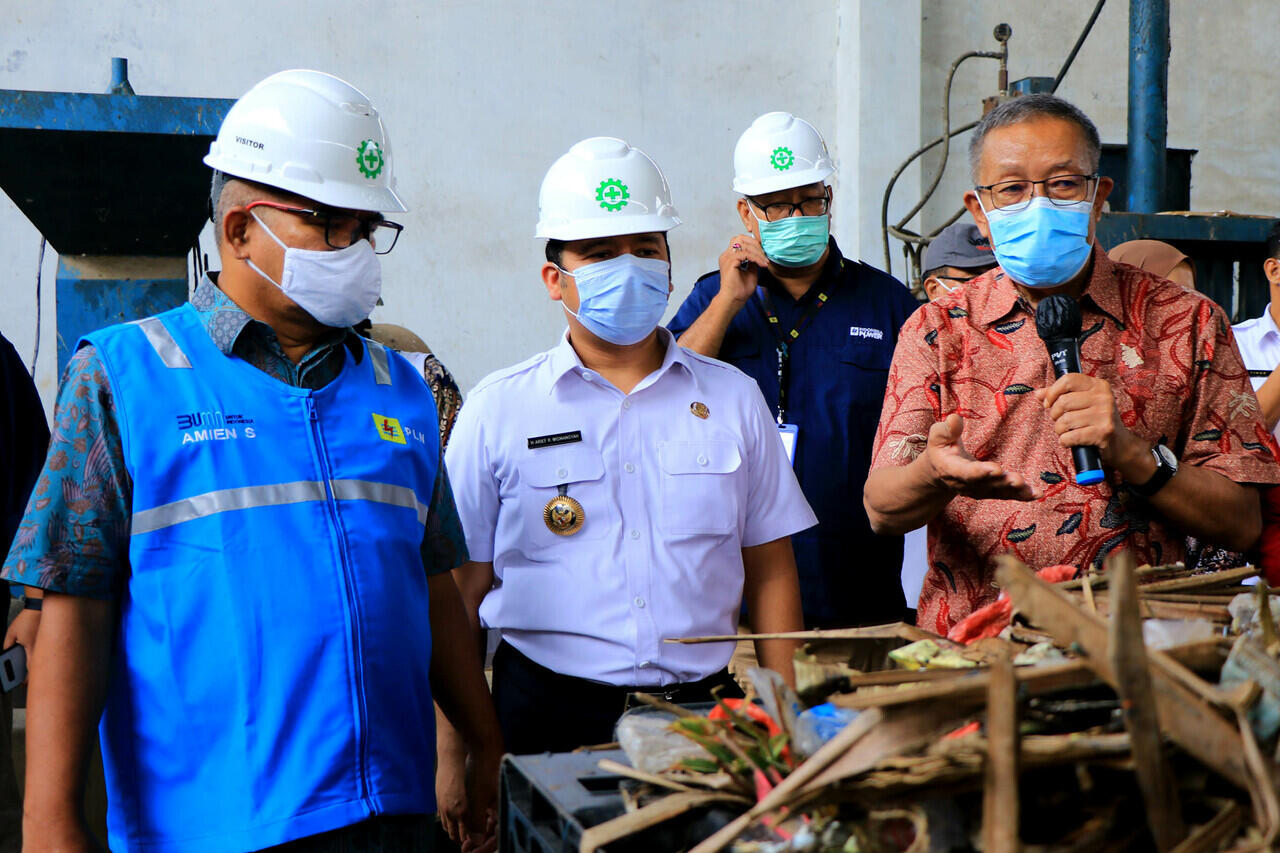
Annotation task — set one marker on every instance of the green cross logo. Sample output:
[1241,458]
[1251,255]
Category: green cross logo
[782,158]
[369,158]
[612,195]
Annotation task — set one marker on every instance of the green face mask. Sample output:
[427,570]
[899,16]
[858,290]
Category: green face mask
[797,241]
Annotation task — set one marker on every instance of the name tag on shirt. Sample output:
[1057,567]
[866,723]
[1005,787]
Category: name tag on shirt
[555,439]
[788,433]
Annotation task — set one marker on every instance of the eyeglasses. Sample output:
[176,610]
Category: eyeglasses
[956,278]
[342,230]
[816,206]
[1059,189]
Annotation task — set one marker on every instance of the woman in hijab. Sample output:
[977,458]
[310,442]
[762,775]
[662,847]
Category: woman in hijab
[1158,259]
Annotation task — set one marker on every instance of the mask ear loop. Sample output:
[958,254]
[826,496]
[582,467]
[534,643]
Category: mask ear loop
[567,309]
[249,261]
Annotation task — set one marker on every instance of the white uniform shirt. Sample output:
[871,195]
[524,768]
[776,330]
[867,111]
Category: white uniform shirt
[1259,343]
[669,500]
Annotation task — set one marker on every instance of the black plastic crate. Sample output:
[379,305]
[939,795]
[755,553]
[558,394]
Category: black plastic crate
[548,800]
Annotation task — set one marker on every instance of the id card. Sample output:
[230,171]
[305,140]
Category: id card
[789,433]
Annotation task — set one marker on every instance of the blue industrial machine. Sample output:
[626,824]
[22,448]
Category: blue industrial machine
[115,184]
[1227,249]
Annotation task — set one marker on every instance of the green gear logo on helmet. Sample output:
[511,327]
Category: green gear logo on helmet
[369,158]
[782,158]
[612,195]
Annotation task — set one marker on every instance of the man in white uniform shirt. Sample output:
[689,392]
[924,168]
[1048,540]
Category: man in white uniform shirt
[1259,340]
[618,489]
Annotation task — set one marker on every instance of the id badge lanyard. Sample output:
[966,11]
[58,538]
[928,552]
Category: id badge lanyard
[789,432]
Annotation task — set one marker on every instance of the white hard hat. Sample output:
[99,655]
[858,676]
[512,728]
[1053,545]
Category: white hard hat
[778,152]
[311,134]
[602,188]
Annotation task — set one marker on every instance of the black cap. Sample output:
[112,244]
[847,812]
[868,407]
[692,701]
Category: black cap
[961,245]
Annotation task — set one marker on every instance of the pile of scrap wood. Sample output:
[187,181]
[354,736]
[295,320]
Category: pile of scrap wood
[1093,740]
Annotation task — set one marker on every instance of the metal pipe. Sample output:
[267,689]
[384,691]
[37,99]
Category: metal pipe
[1148,103]
[1071,57]
[120,77]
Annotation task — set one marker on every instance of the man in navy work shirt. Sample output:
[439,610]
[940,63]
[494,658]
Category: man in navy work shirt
[817,332]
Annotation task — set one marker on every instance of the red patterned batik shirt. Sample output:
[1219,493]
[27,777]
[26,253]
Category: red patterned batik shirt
[1177,377]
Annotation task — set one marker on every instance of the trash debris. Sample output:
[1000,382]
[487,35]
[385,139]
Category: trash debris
[820,724]
[1061,723]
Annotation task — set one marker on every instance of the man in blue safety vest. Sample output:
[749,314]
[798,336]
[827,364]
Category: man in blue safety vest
[245,532]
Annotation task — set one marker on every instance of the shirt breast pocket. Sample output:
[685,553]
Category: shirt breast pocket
[866,365]
[580,469]
[700,489]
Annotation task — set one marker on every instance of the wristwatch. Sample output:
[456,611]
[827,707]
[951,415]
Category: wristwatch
[1166,467]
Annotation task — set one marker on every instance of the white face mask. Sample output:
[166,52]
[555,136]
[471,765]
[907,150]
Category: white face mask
[338,288]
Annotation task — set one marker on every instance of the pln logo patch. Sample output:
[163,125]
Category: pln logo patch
[388,429]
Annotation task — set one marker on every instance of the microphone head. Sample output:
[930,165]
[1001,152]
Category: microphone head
[1058,317]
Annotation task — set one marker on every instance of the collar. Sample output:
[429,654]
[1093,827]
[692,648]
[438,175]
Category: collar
[1268,324]
[564,360]
[226,322]
[827,279]
[992,296]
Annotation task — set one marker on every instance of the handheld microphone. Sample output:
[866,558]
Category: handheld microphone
[1058,325]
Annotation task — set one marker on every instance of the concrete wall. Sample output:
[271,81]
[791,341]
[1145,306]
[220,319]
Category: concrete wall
[481,97]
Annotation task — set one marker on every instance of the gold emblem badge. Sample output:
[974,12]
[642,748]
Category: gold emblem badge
[700,410]
[563,515]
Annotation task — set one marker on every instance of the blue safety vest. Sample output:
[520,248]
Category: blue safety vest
[269,679]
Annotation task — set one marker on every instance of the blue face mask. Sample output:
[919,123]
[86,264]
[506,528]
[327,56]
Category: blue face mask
[622,299]
[1044,244]
[797,241]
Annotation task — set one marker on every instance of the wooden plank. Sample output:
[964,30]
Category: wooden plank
[891,677]
[1000,788]
[972,686]
[889,631]
[1206,581]
[1087,586]
[1221,827]
[1190,721]
[1266,804]
[1100,579]
[1128,656]
[651,815]
[1153,608]
[903,730]
[1206,655]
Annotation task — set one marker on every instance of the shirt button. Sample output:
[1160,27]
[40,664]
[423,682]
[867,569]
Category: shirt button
[629,468]
[644,664]
[626,404]
[635,534]
[562,473]
[639,601]
[702,460]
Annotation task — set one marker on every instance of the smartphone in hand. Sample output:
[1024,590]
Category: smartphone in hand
[13,667]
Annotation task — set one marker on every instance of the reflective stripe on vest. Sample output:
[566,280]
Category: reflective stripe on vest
[276,494]
[163,343]
[378,358]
